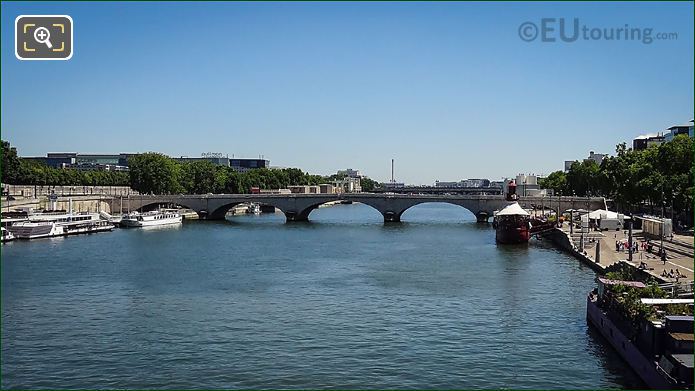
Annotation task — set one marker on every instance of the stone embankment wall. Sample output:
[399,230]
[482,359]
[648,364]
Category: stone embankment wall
[563,240]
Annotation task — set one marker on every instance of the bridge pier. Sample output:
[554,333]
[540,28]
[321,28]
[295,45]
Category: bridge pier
[482,217]
[391,217]
[294,216]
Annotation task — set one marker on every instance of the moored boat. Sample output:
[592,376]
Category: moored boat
[35,230]
[149,219]
[85,227]
[58,224]
[512,225]
[656,340]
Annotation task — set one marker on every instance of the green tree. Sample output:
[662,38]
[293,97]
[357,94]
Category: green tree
[199,177]
[154,173]
[369,184]
[583,178]
[674,160]
[557,181]
[10,163]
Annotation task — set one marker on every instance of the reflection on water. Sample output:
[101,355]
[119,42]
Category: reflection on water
[343,301]
[160,227]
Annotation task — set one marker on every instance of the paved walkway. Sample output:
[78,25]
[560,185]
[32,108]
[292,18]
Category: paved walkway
[608,254]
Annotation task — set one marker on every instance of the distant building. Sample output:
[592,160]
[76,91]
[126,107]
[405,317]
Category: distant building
[597,157]
[60,160]
[241,165]
[475,183]
[446,184]
[96,167]
[55,162]
[274,191]
[393,185]
[348,185]
[120,161]
[305,189]
[327,188]
[677,130]
[647,140]
[244,165]
[220,161]
[479,183]
[324,188]
[527,185]
[350,173]
[85,162]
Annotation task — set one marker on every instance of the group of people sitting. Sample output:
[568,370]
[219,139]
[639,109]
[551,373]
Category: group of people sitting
[671,274]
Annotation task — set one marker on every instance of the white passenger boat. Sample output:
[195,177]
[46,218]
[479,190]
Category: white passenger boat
[35,230]
[46,225]
[86,227]
[149,219]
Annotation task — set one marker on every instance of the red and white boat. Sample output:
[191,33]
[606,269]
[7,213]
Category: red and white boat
[512,224]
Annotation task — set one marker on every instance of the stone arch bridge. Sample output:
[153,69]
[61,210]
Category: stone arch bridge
[297,207]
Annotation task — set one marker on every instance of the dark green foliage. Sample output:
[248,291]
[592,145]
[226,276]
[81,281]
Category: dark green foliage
[155,173]
[369,184]
[634,177]
[10,163]
[159,174]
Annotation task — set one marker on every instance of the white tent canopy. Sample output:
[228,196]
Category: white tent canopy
[513,209]
[603,214]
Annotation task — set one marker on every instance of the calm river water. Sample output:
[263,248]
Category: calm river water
[342,302]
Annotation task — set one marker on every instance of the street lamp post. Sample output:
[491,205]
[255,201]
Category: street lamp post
[663,225]
[559,202]
[673,201]
[629,239]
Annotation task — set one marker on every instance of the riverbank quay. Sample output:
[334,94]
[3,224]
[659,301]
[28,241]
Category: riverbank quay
[599,252]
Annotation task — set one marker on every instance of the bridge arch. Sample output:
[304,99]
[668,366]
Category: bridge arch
[395,213]
[296,212]
[220,212]
[458,208]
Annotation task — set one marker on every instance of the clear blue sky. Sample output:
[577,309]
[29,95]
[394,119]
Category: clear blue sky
[447,89]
